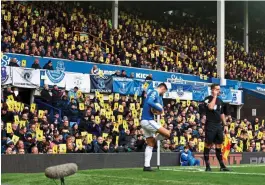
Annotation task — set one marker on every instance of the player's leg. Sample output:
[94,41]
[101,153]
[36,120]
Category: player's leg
[218,149]
[209,138]
[149,131]
[148,153]
[164,132]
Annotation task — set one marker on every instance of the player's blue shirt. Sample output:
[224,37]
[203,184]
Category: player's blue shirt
[152,98]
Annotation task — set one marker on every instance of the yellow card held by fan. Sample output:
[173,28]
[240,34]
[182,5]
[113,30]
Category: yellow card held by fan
[120,119]
[135,96]
[136,122]
[89,138]
[62,148]
[111,97]
[258,146]
[22,123]
[15,139]
[117,140]
[105,135]
[176,140]
[201,146]
[79,94]
[55,149]
[40,114]
[121,108]
[182,140]
[117,96]
[84,133]
[39,135]
[132,106]
[79,144]
[116,105]
[10,97]
[9,128]
[16,118]
[97,120]
[32,107]
[97,94]
[81,106]
[102,112]
[256,127]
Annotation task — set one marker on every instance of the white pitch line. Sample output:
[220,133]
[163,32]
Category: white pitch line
[141,179]
[216,167]
[200,171]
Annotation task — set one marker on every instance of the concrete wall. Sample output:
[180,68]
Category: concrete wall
[30,163]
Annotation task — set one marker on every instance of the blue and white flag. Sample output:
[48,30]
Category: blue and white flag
[6,77]
[54,77]
[102,84]
[199,93]
[183,92]
[226,94]
[123,86]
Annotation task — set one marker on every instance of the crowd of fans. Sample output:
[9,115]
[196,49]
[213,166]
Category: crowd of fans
[63,30]
[98,124]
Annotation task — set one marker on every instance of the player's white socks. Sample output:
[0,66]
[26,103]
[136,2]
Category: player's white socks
[148,155]
[159,137]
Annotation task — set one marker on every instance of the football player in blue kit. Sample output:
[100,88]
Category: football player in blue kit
[153,105]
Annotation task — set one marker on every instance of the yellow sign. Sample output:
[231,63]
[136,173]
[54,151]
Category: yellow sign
[39,135]
[201,146]
[40,114]
[15,139]
[79,144]
[117,96]
[9,128]
[111,97]
[62,148]
[116,105]
[16,118]
[258,146]
[121,108]
[97,120]
[32,107]
[176,140]
[81,106]
[117,140]
[84,133]
[55,149]
[89,138]
[182,140]
[136,122]
[10,97]
[132,106]
[256,127]
[105,135]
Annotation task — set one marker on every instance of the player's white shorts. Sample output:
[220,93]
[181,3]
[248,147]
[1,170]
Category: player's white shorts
[150,127]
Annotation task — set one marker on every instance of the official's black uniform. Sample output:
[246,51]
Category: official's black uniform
[213,126]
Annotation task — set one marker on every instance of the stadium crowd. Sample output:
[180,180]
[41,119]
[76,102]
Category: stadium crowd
[94,124]
[64,30]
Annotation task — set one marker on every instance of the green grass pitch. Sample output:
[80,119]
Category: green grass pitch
[240,175]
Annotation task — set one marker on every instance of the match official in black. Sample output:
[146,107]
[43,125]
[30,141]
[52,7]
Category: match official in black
[214,108]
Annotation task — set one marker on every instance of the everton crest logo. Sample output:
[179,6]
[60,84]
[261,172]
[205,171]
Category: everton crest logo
[223,94]
[123,89]
[180,91]
[58,75]
[4,76]
[101,83]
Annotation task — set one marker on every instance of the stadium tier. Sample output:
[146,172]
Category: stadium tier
[118,88]
[67,31]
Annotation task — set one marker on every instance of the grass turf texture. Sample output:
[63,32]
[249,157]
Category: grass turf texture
[241,175]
